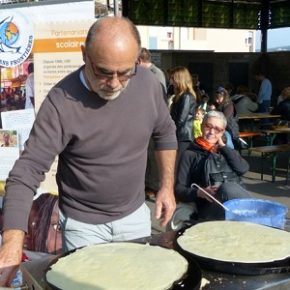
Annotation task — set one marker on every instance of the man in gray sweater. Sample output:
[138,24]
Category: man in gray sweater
[98,120]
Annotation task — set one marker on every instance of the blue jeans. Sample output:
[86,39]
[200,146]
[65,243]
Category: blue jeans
[264,107]
[77,234]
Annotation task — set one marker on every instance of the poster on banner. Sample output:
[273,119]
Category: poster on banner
[20,120]
[9,151]
[56,53]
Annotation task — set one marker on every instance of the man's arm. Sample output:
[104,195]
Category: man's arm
[165,200]
[10,255]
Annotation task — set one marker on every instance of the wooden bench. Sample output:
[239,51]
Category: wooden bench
[271,134]
[271,151]
[249,135]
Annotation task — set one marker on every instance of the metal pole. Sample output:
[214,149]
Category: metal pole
[265,10]
[116,7]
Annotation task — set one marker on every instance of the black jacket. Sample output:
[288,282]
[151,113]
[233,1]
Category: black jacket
[283,109]
[191,170]
[182,113]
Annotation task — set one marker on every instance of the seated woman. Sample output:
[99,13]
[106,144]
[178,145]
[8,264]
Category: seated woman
[43,226]
[213,166]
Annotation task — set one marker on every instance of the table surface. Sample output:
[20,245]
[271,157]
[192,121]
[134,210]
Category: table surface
[34,273]
[282,130]
[257,116]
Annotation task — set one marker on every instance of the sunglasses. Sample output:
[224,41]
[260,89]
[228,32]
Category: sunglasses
[106,76]
[217,130]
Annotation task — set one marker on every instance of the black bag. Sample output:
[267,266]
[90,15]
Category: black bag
[217,171]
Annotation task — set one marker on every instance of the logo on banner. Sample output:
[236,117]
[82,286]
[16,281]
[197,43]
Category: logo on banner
[16,38]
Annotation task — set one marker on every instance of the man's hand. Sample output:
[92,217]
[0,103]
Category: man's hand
[164,206]
[10,255]
[165,201]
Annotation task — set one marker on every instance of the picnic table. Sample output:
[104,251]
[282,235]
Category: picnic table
[252,122]
[257,116]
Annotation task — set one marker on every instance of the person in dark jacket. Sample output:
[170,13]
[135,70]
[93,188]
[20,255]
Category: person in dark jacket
[283,108]
[214,167]
[182,109]
[224,104]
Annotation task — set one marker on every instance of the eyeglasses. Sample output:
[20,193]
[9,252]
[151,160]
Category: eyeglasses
[217,130]
[105,76]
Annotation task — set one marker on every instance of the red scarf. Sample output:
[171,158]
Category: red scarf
[205,145]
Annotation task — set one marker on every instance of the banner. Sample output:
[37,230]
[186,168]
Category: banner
[54,49]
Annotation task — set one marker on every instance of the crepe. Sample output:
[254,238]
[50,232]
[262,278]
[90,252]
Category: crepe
[234,241]
[118,266]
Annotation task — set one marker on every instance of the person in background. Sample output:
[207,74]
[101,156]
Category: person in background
[242,102]
[183,106]
[197,87]
[265,93]
[152,179]
[230,89]
[280,98]
[283,108]
[98,120]
[212,165]
[43,226]
[196,129]
[204,102]
[144,60]
[6,140]
[29,87]
[224,104]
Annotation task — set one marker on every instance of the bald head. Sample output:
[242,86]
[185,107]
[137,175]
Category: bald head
[112,29]
[112,40]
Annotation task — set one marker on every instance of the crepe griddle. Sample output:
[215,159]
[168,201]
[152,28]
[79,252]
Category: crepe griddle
[237,268]
[190,281]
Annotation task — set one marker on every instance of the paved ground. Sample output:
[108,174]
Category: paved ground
[278,191]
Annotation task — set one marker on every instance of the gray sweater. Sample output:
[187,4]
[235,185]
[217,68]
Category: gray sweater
[102,148]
